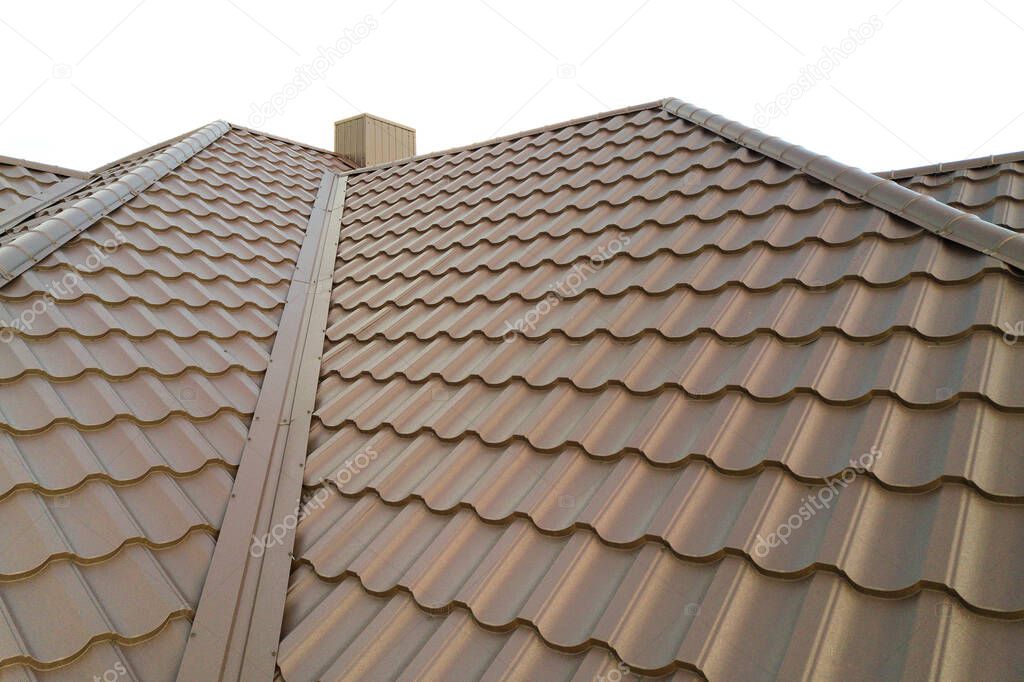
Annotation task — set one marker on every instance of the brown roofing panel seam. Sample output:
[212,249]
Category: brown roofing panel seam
[237,626]
[931,214]
[31,246]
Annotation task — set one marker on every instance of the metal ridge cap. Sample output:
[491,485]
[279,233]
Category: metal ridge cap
[933,215]
[31,246]
[146,150]
[950,166]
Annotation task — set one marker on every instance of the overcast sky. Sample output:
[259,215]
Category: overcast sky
[875,84]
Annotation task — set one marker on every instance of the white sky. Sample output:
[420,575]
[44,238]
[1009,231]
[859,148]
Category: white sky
[87,82]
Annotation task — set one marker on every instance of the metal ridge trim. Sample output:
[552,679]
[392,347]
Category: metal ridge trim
[236,631]
[933,215]
[31,246]
[950,166]
[44,167]
[136,155]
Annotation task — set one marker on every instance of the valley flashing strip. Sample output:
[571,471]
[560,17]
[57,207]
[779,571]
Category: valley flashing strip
[933,215]
[236,631]
[32,246]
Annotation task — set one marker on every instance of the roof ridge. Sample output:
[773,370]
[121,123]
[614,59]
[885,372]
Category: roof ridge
[45,167]
[31,246]
[137,154]
[296,143]
[933,215]
[949,166]
[512,136]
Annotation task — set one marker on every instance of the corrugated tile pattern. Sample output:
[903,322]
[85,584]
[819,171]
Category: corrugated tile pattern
[993,192]
[131,364]
[575,380]
[98,179]
[19,182]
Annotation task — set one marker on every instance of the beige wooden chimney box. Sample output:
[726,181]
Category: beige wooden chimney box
[367,140]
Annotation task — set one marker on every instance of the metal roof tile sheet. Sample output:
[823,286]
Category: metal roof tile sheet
[573,379]
[131,363]
[994,192]
[576,386]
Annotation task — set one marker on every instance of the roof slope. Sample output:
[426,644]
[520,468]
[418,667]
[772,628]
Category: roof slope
[132,359]
[647,391]
[990,187]
[21,179]
[578,383]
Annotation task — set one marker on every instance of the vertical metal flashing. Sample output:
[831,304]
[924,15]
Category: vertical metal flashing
[238,621]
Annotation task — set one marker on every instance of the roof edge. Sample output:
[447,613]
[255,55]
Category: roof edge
[376,118]
[146,150]
[512,136]
[288,140]
[949,166]
[933,215]
[45,167]
[31,246]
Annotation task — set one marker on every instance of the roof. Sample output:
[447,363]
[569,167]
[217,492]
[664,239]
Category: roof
[643,392]
[26,187]
[21,179]
[127,398]
[990,187]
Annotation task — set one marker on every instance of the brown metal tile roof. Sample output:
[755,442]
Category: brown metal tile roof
[132,363]
[574,378]
[991,187]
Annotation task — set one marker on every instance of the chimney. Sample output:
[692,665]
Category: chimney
[367,140]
